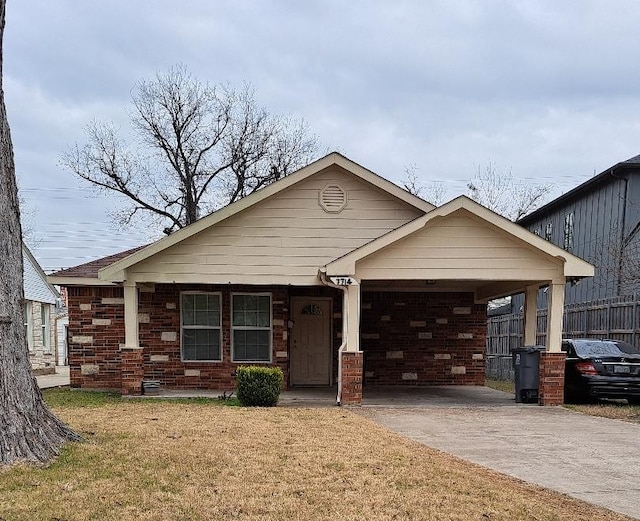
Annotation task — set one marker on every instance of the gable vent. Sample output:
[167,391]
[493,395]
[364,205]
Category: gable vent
[332,198]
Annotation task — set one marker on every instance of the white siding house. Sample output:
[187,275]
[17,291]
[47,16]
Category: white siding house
[40,300]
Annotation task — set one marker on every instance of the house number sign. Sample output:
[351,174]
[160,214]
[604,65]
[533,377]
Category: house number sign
[343,281]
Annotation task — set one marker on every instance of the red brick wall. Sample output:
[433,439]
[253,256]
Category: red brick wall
[132,371]
[407,338]
[96,330]
[163,308]
[351,378]
[551,390]
[422,338]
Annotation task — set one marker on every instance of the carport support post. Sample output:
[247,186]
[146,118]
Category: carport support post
[351,358]
[551,391]
[531,316]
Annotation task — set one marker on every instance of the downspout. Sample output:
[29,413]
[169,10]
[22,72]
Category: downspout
[322,275]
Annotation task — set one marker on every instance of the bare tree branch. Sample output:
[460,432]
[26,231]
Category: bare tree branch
[204,146]
[505,195]
[434,192]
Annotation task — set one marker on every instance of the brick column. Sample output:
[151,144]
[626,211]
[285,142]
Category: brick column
[351,378]
[551,390]
[132,371]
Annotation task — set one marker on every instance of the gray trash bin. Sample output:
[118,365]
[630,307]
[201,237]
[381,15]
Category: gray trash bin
[526,366]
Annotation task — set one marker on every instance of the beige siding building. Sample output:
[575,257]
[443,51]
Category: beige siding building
[333,273]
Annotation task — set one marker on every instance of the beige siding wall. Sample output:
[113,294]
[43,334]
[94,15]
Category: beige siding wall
[458,247]
[283,239]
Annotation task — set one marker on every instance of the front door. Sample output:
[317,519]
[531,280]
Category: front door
[310,358]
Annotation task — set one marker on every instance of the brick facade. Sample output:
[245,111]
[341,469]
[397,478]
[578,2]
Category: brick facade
[96,331]
[551,382]
[411,338]
[407,338]
[351,378]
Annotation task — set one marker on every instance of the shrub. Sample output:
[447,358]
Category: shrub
[258,386]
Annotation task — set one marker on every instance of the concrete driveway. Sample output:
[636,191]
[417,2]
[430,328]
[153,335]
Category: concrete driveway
[593,459]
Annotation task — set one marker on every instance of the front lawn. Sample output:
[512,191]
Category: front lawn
[153,460]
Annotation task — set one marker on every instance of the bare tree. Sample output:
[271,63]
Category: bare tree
[29,431]
[502,193]
[616,258]
[434,192]
[199,148]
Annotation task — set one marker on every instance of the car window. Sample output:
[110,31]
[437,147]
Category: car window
[627,348]
[585,348]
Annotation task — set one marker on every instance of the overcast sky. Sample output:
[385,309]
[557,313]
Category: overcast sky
[548,89]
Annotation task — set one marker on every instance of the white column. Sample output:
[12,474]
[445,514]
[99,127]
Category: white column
[353,318]
[131,316]
[530,315]
[555,317]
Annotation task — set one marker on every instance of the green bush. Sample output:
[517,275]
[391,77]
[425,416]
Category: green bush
[258,386]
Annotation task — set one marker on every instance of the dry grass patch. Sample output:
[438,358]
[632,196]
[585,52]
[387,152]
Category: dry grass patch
[174,461]
[616,411]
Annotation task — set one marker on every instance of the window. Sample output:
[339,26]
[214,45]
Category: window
[200,326]
[548,231]
[44,325]
[251,327]
[28,324]
[568,231]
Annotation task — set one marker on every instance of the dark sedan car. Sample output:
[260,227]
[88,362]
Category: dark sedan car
[601,369]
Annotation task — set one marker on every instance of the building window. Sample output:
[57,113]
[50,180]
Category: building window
[44,325]
[200,327]
[568,231]
[28,324]
[548,231]
[251,327]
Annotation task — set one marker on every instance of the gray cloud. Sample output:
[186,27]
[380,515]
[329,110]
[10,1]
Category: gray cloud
[549,89]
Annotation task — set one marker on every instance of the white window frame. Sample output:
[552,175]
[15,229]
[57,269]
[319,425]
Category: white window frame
[548,231]
[28,324]
[183,327]
[45,327]
[253,328]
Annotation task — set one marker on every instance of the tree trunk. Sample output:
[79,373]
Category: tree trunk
[29,431]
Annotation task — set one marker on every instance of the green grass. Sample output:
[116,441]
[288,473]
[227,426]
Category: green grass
[72,398]
[501,385]
[77,398]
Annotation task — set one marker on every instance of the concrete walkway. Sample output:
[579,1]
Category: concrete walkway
[593,459]
[59,379]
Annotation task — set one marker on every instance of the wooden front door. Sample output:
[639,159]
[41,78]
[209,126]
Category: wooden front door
[310,358]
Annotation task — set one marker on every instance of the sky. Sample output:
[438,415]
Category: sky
[548,90]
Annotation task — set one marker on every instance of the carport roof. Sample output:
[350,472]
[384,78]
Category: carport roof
[573,267]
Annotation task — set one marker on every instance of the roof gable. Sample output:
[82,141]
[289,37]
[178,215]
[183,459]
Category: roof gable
[462,206]
[115,271]
[36,287]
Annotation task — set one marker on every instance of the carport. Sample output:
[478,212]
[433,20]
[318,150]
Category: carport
[414,300]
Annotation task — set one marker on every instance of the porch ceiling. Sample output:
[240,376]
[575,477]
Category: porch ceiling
[483,290]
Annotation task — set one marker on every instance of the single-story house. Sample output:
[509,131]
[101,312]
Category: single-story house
[40,299]
[334,274]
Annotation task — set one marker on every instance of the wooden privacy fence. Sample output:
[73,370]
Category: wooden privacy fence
[616,318]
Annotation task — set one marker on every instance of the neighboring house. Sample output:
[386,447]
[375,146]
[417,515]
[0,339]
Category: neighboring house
[598,221]
[39,315]
[334,274]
